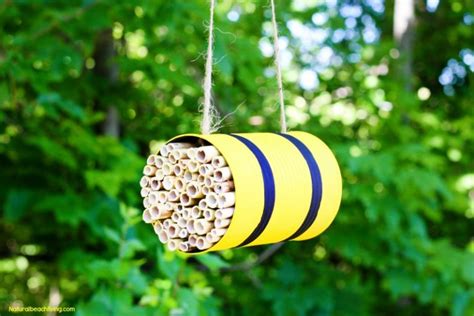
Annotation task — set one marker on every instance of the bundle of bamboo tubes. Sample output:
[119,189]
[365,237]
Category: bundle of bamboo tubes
[188,195]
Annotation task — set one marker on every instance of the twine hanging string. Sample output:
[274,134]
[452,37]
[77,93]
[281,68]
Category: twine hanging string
[276,48]
[209,112]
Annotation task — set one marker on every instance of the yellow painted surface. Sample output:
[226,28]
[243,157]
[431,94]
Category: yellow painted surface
[292,186]
[248,182]
[332,184]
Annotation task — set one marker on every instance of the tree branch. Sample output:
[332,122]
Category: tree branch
[245,266]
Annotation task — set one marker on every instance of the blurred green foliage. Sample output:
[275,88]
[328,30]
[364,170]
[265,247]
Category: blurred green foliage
[70,211]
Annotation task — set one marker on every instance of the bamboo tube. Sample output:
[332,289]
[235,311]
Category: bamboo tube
[202,243]
[184,246]
[206,153]
[144,181]
[219,231]
[193,190]
[190,226]
[173,195]
[209,215]
[175,209]
[221,223]
[162,197]
[202,226]
[150,160]
[192,153]
[167,223]
[192,240]
[193,166]
[180,145]
[206,170]
[181,222]
[163,236]
[168,182]
[147,216]
[164,151]
[173,244]
[201,179]
[153,197]
[218,162]
[186,200]
[160,161]
[167,169]
[165,212]
[146,202]
[225,213]
[178,154]
[175,217]
[178,170]
[209,182]
[169,206]
[222,174]
[211,238]
[205,190]
[144,192]
[172,159]
[211,200]
[172,206]
[226,199]
[186,213]
[223,187]
[195,212]
[173,230]
[149,170]
[154,212]
[214,237]
[169,148]
[155,183]
[190,176]
[157,227]
[183,163]
[183,233]
[202,204]
[159,174]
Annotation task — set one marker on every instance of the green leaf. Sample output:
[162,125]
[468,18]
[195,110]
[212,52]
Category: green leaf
[17,203]
[131,246]
[188,302]
[137,281]
[467,268]
[68,208]
[107,181]
[111,302]
[53,150]
[53,102]
[169,263]
[212,261]
[461,302]
[112,235]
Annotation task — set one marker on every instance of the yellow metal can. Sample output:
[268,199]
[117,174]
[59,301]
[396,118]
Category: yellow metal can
[287,186]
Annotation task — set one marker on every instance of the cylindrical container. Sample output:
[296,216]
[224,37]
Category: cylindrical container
[287,186]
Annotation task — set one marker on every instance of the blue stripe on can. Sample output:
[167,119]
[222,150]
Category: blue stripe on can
[317,185]
[268,185]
